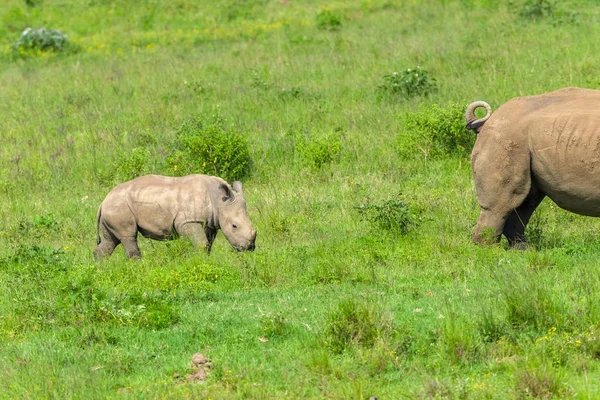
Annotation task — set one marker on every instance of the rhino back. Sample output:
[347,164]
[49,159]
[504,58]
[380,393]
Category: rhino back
[563,131]
[158,203]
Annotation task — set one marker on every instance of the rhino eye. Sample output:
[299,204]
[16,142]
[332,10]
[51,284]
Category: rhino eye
[234,226]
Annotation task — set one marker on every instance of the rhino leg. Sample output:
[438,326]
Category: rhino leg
[514,228]
[200,236]
[107,245]
[503,182]
[131,247]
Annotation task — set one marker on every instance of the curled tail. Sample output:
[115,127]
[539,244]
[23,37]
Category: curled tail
[474,123]
[98,215]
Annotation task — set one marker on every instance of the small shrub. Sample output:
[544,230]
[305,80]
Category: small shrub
[435,131]
[136,310]
[37,227]
[130,165]
[392,215]
[319,151]
[42,39]
[536,9]
[260,79]
[290,93]
[354,323]
[408,83]
[35,256]
[547,9]
[207,148]
[329,20]
[274,325]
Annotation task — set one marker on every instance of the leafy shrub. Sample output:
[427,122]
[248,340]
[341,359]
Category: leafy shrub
[130,165]
[435,131]
[319,151]
[260,78]
[207,148]
[38,227]
[392,215]
[535,9]
[408,83]
[547,9]
[355,323]
[274,325]
[328,20]
[42,39]
[148,311]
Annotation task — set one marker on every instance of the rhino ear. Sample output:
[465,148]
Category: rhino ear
[237,186]
[225,192]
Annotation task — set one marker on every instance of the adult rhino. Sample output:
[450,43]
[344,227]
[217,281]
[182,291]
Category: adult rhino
[162,208]
[532,147]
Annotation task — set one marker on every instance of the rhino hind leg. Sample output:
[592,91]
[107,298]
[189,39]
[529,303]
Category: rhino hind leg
[107,244]
[514,228]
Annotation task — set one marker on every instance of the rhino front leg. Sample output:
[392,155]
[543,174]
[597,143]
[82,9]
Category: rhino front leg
[514,228]
[200,236]
[503,182]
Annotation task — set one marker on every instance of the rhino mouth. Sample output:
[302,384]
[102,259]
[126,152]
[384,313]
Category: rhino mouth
[249,247]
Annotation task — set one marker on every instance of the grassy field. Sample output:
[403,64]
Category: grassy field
[365,281]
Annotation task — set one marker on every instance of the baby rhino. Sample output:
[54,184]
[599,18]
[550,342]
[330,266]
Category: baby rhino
[162,208]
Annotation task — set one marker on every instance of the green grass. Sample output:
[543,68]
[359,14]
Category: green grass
[331,304]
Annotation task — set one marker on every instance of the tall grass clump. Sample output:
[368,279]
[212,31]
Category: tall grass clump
[540,382]
[435,131]
[355,323]
[531,304]
[206,147]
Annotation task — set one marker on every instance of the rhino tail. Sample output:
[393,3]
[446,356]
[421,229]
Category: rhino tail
[474,123]
[98,215]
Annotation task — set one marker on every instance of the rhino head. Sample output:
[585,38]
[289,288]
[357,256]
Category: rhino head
[233,218]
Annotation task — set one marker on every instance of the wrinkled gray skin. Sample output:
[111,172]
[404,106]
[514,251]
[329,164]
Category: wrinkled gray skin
[162,208]
[532,147]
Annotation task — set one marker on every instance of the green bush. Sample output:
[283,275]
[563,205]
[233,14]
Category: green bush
[392,215]
[406,84]
[204,147]
[435,131]
[42,39]
[535,9]
[318,151]
[130,165]
[329,20]
[547,9]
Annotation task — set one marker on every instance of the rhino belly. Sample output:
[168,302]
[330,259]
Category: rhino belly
[154,221]
[573,183]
